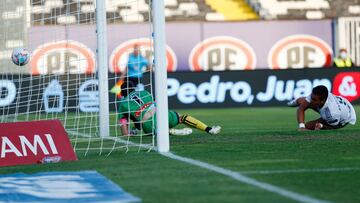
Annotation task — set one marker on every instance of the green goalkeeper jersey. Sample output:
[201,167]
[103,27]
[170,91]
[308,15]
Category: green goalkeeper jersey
[139,105]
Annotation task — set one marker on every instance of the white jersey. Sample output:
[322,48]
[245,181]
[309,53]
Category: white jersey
[337,111]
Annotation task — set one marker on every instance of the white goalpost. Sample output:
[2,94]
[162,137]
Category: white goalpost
[80,51]
[161,76]
[101,37]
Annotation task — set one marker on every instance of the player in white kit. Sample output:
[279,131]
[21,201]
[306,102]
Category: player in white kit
[335,111]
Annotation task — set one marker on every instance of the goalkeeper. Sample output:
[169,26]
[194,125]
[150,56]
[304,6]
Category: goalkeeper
[139,107]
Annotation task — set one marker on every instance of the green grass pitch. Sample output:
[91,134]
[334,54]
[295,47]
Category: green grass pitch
[252,140]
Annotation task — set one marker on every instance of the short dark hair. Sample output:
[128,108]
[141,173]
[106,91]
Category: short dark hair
[321,91]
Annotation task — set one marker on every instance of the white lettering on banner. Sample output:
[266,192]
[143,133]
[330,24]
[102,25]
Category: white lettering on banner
[7,146]
[173,86]
[215,91]
[187,93]
[210,92]
[238,87]
[12,149]
[67,187]
[207,91]
[51,143]
[89,96]
[53,97]
[223,87]
[11,92]
[276,88]
[304,88]
[348,87]
[33,147]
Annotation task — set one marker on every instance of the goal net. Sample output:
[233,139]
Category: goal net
[73,58]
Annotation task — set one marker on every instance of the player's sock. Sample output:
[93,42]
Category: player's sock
[193,122]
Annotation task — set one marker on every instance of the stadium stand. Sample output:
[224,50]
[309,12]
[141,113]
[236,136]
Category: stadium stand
[64,11]
[305,9]
[47,11]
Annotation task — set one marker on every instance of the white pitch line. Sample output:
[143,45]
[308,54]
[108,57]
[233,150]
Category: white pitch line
[234,175]
[314,170]
[244,179]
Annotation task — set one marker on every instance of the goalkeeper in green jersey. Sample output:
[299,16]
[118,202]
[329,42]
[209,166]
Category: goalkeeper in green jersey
[139,107]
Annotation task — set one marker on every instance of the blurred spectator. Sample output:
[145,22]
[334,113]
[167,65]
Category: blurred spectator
[136,65]
[343,60]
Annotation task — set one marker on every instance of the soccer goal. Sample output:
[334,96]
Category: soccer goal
[80,57]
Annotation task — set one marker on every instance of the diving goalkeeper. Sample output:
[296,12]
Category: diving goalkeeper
[139,107]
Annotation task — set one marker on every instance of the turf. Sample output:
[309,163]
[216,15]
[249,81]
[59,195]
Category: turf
[253,139]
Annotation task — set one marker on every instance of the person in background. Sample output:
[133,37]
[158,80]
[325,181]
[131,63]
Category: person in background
[135,68]
[343,60]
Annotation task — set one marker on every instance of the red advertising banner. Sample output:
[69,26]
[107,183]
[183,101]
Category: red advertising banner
[34,142]
[347,84]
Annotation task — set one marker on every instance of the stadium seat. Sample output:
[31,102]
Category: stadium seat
[88,8]
[139,5]
[66,20]
[17,14]
[314,15]
[354,9]
[190,8]
[214,17]
[40,10]
[305,9]
[53,4]
[171,3]
[172,12]
[131,16]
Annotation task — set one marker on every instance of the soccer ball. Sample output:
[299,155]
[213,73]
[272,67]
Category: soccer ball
[20,56]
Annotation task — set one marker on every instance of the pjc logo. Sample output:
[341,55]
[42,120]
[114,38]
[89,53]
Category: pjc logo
[299,51]
[62,57]
[119,57]
[347,85]
[222,53]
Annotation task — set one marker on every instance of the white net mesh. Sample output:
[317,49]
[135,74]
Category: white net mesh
[61,80]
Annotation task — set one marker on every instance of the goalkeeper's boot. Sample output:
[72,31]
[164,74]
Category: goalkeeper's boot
[183,131]
[215,130]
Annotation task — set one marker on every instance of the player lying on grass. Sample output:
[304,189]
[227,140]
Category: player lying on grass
[139,107]
[335,111]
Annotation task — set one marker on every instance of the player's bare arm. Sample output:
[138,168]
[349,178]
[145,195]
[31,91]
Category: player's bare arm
[303,105]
